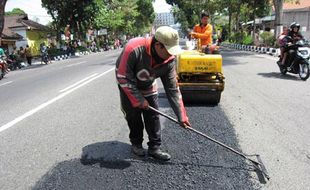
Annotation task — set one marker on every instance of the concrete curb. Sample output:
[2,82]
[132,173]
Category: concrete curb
[37,61]
[258,49]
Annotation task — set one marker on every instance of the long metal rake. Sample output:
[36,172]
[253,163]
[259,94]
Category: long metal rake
[260,167]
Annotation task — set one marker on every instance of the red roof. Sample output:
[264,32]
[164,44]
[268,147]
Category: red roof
[300,5]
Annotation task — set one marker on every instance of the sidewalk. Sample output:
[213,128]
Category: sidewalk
[37,60]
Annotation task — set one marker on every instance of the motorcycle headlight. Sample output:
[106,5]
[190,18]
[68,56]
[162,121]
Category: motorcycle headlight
[300,42]
[303,52]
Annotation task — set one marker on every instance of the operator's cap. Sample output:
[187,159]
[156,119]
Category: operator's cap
[169,37]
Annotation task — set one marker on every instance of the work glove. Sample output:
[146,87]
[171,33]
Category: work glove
[144,105]
[186,124]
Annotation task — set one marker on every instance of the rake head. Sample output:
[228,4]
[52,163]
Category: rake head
[259,166]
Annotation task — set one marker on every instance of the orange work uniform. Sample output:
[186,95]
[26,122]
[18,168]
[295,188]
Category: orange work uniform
[204,33]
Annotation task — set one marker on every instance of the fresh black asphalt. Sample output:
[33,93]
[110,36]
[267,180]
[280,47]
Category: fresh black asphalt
[196,163]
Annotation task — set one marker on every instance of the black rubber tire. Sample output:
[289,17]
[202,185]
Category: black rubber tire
[1,74]
[307,72]
[212,98]
[283,70]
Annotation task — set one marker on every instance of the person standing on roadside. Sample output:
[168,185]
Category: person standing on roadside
[28,54]
[140,63]
[21,54]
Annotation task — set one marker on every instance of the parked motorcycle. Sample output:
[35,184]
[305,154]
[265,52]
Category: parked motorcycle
[297,60]
[13,62]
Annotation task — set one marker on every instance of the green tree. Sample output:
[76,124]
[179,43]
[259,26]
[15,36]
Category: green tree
[77,13]
[118,16]
[15,11]
[257,9]
[146,16]
[191,10]
[124,16]
[233,8]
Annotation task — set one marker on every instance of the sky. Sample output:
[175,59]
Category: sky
[34,9]
[161,6]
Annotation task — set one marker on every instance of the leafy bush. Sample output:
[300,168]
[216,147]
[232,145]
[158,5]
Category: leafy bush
[268,38]
[248,40]
[238,37]
[55,51]
[81,48]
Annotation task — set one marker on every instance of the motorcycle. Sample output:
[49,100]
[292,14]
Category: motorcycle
[45,58]
[44,55]
[2,72]
[2,68]
[297,60]
[13,62]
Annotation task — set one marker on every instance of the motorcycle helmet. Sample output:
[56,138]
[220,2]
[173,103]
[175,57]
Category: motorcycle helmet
[295,25]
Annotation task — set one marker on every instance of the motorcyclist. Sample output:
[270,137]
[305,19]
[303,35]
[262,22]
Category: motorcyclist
[2,61]
[294,32]
[12,60]
[293,36]
[44,53]
[282,41]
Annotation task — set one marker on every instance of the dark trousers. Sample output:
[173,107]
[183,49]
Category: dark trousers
[138,119]
[29,60]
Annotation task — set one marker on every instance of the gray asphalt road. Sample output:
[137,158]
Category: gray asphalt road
[61,128]
[269,114]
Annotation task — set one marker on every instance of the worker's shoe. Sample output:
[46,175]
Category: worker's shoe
[138,150]
[159,155]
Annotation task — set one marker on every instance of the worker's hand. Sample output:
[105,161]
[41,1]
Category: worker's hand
[185,124]
[192,34]
[144,105]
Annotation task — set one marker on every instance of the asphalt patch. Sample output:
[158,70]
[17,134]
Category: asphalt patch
[196,162]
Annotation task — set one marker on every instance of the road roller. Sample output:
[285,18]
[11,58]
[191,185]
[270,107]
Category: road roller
[200,75]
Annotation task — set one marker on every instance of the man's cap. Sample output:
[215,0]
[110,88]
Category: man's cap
[169,37]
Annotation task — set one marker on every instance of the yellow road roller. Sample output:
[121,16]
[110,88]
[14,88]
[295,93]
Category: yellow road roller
[200,76]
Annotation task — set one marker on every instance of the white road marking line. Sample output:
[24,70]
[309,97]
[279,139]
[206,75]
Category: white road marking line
[40,107]
[6,83]
[75,64]
[75,84]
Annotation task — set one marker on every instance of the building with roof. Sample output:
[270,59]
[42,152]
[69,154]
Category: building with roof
[19,31]
[299,13]
[291,13]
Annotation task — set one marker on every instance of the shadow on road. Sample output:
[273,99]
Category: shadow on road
[110,165]
[111,154]
[280,76]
